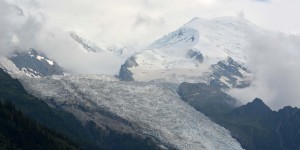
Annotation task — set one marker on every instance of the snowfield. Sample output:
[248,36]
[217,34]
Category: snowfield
[216,39]
[153,65]
[151,108]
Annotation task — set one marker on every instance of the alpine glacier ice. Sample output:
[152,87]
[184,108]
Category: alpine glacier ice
[151,108]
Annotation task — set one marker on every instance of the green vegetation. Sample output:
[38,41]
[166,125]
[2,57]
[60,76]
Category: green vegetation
[58,120]
[18,132]
[254,125]
[257,127]
[247,125]
[87,136]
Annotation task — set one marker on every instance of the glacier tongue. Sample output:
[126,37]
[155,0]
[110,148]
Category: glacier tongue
[152,108]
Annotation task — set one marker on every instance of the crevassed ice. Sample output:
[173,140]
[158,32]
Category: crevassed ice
[154,109]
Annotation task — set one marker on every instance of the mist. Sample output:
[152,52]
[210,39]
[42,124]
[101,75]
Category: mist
[18,29]
[274,58]
[22,29]
[45,26]
[59,46]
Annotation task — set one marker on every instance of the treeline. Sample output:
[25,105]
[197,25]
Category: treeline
[17,132]
[88,136]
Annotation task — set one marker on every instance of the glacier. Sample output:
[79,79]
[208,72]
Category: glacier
[152,108]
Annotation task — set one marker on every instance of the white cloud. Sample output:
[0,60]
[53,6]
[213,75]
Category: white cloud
[18,29]
[275,60]
[139,22]
[113,22]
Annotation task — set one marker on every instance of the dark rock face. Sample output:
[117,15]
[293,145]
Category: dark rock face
[193,53]
[82,42]
[215,82]
[125,74]
[269,129]
[256,126]
[288,128]
[206,98]
[231,71]
[36,64]
[255,109]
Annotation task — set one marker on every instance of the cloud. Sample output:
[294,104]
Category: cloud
[22,29]
[114,22]
[274,59]
[18,29]
[59,46]
[45,25]
[145,20]
[262,0]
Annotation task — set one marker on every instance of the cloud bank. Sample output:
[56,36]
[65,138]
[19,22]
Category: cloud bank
[22,29]
[275,61]
[18,29]
[140,22]
[45,25]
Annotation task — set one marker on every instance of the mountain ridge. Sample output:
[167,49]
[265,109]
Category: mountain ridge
[214,41]
[30,63]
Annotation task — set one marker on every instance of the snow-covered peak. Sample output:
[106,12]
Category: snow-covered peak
[189,53]
[180,38]
[217,38]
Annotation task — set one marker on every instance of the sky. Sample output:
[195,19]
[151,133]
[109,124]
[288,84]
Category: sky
[140,22]
[137,23]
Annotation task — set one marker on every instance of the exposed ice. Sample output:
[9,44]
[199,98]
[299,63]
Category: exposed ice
[153,109]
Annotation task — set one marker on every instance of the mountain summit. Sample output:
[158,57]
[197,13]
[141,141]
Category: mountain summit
[211,51]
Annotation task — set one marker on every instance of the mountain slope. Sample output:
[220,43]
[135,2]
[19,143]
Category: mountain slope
[87,135]
[207,99]
[194,53]
[87,45]
[254,125]
[19,132]
[30,63]
[147,108]
[58,120]
[91,47]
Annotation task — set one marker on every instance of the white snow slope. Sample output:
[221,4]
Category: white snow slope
[217,39]
[152,108]
[89,46]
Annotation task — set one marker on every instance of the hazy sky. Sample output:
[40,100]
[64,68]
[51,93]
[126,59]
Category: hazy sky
[122,22]
[45,24]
